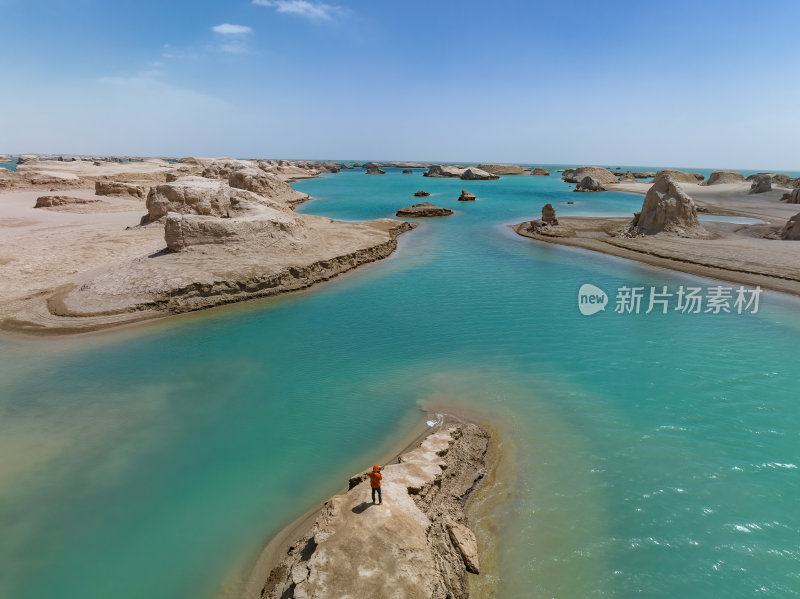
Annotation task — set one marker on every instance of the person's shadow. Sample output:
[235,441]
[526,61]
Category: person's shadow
[362,507]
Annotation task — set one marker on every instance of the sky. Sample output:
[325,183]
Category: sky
[678,83]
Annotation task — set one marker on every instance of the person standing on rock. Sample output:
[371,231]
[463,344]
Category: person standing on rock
[375,482]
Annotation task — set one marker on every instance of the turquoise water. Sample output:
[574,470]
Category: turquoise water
[657,454]
[9,165]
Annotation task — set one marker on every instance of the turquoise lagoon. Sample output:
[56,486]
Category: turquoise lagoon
[656,455]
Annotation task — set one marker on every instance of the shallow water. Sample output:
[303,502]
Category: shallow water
[657,454]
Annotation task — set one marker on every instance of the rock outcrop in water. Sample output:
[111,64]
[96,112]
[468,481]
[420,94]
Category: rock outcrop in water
[440,171]
[590,184]
[476,174]
[466,196]
[421,194]
[117,188]
[540,172]
[423,210]
[666,209]
[724,177]
[375,171]
[416,544]
[468,174]
[601,175]
[503,169]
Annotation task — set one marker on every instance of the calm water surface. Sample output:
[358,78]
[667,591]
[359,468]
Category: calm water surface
[657,454]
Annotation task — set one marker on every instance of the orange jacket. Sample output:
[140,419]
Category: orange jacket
[375,478]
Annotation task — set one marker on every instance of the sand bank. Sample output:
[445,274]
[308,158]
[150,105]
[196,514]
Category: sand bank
[417,543]
[743,254]
[89,264]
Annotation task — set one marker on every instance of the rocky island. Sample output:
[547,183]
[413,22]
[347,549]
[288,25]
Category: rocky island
[423,210]
[417,543]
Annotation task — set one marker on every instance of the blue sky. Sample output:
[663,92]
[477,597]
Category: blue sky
[652,83]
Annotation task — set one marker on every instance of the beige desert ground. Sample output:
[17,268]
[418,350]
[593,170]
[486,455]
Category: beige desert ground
[115,243]
[751,254]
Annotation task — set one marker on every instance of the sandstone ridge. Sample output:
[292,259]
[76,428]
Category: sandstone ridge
[416,544]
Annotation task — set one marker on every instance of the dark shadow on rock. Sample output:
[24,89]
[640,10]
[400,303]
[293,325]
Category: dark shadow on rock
[308,550]
[362,507]
[163,252]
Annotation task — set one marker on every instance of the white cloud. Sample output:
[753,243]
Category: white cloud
[228,29]
[303,8]
[234,47]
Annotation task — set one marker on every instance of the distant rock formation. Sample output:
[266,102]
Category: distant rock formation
[407,171]
[627,177]
[476,174]
[601,175]
[791,230]
[117,188]
[698,176]
[590,184]
[761,183]
[421,194]
[540,172]
[547,226]
[53,201]
[549,214]
[676,176]
[424,210]
[7,178]
[466,196]
[644,174]
[781,180]
[189,195]
[503,169]
[375,171]
[265,184]
[666,209]
[438,170]
[224,168]
[394,164]
[724,177]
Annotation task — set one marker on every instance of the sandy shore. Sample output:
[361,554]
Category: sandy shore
[325,575]
[743,254]
[88,265]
